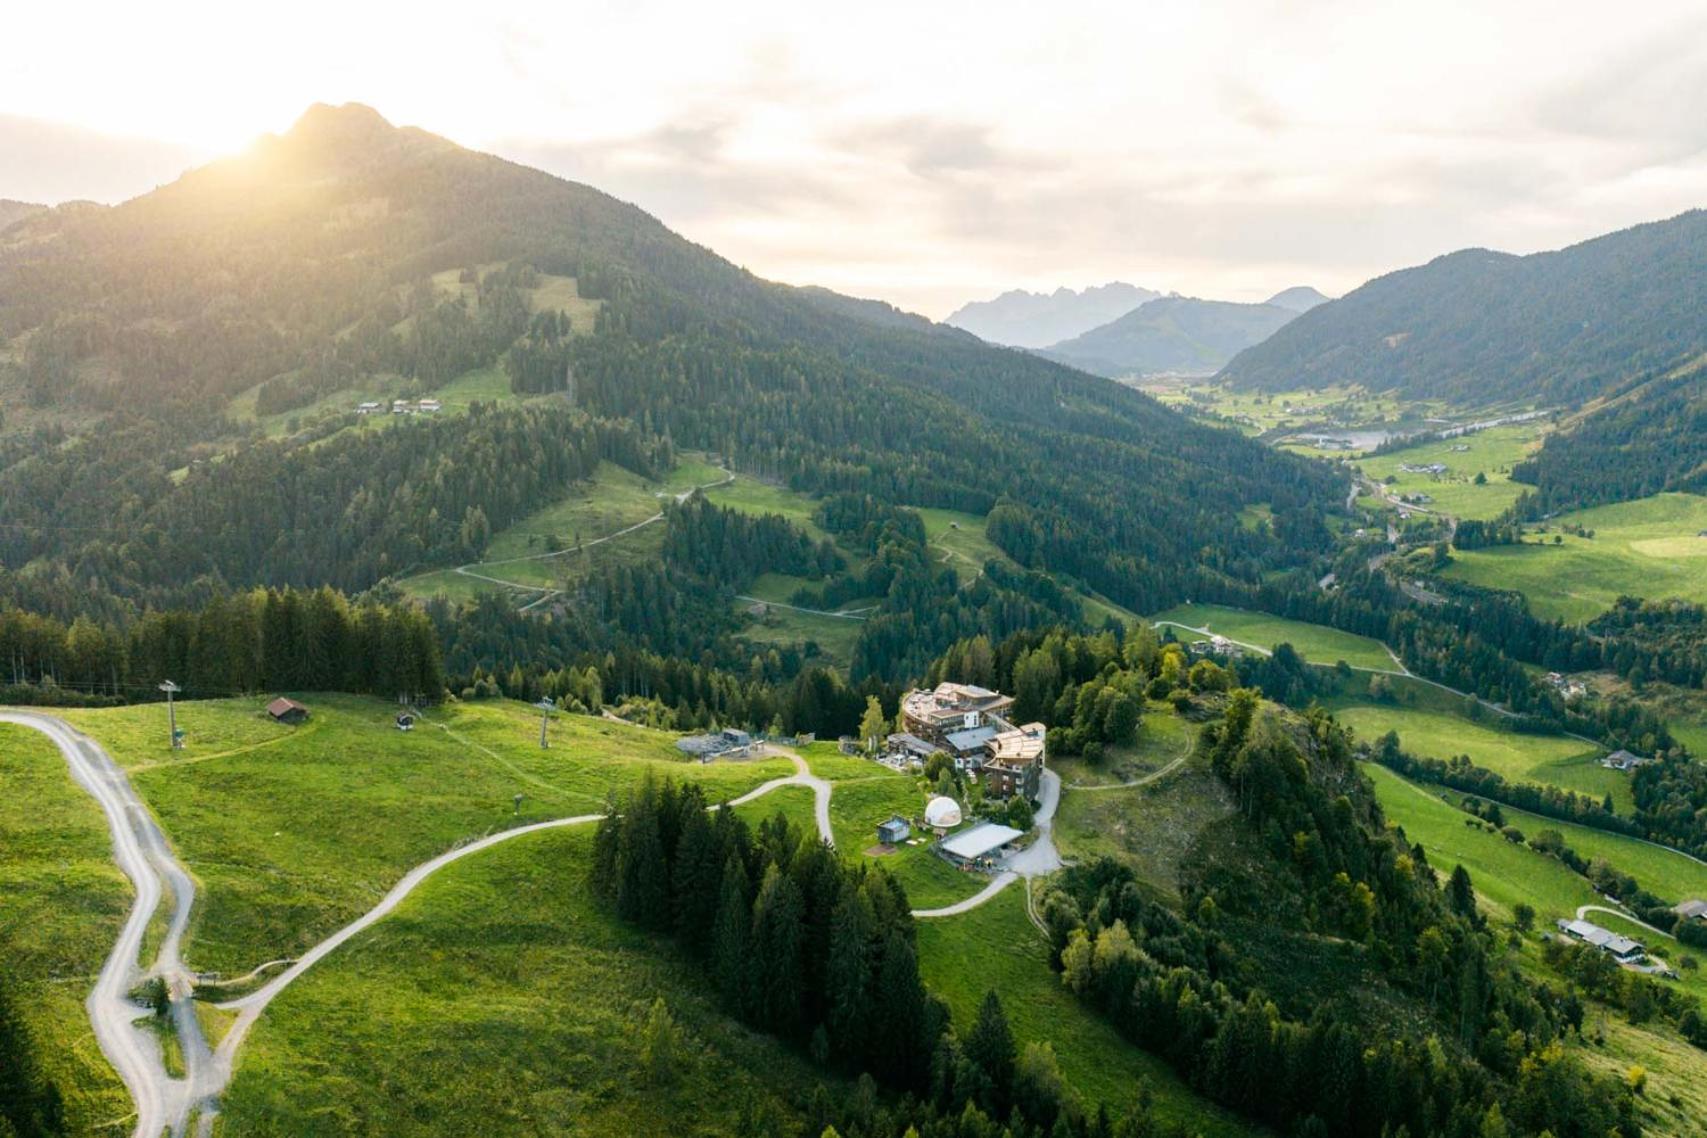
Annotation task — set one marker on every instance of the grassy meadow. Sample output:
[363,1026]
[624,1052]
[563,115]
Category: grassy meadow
[1650,548]
[1491,453]
[292,832]
[504,966]
[1317,643]
[1555,760]
[64,903]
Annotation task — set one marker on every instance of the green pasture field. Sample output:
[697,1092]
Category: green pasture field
[1649,548]
[1317,643]
[292,832]
[64,903]
[1491,452]
[1506,874]
[500,1000]
[1555,760]
[1665,873]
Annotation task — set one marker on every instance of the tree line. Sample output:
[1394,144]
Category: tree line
[261,640]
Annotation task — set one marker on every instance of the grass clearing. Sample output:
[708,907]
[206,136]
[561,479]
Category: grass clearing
[996,947]
[1649,548]
[64,904]
[614,500]
[291,839]
[1554,760]
[751,496]
[502,965]
[1162,738]
[1151,828]
[1317,643]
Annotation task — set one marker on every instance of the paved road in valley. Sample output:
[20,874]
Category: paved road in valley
[163,1103]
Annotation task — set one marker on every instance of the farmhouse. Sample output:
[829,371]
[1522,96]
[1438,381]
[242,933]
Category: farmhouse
[1622,760]
[287,710]
[367,408]
[1423,468]
[1620,948]
[1692,910]
[979,845]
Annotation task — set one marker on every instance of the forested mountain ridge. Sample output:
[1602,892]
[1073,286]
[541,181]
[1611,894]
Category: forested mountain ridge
[13,211]
[1648,439]
[1173,334]
[1478,327]
[321,257]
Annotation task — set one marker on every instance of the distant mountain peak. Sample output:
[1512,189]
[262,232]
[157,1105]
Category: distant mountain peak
[1024,319]
[347,121]
[1298,298]
[327,140]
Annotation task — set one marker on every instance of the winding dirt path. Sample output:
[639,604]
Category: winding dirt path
[163,1103]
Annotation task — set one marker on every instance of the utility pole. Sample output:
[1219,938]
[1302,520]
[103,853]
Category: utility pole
[172,689]
[546,707]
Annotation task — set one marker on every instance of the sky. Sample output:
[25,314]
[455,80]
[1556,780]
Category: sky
[929,153]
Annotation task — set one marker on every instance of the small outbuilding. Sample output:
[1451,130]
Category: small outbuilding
[287,711]
[980,844]
[893,832]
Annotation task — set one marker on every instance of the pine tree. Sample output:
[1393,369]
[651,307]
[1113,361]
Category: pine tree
[642,873]
[732,937]
[989,1047]
[694,881]
[779,967]
[848,974]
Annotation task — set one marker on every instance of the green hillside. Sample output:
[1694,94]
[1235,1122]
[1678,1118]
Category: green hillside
[1171,334]
[1479,328]
[1651,548]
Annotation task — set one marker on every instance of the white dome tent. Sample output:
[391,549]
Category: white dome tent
[941,813]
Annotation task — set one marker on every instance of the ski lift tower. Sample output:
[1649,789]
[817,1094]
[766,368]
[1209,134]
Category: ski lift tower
[172,689]
[546,707]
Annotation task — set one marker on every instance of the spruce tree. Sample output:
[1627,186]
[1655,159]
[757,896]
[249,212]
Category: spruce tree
[732,938]
[777,941]
[989,1046]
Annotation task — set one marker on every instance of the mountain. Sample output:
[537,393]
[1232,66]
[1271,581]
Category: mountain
[1298,298]
[11,211]
[1479,328]
[349,250]
[1037,319]
[1173,334]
